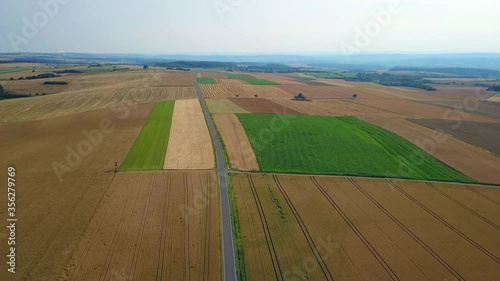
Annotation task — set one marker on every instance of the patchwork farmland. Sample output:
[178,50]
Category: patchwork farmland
[340,146]
[337,228]
[378,187]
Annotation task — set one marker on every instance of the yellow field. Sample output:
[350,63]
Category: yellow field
[190,145]
[244,91]
[223,106]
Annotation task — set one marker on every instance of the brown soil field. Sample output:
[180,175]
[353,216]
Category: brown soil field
[412,109]
[237,145]
[280,79]
[53,215]
[37,108]
[484,108]
[470,160]
[258,105]
[214,75]
[464,91]
[243,91]
[369,229]
[223,106]
[36,86]
[484,135]
[190,144]
[153,226]
[173,78]
[335,107]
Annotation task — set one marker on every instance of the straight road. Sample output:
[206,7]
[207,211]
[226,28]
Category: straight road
[228,260]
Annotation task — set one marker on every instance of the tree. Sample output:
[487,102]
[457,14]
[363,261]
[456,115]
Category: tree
[256,96]
[145,67]
[355,96]
[300,97]
[11,78]
[237,96]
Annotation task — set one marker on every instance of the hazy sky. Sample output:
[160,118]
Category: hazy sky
[249,26]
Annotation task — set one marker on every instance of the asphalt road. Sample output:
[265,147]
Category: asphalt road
[228,260]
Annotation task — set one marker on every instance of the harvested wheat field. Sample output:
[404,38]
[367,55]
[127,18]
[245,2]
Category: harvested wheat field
[152,226]
[335,107]
[412,109]
[468,159]
[238,147]
[190,145]
[215,75]
[232,81]
[223,106]
[480,134]
[280,79]
[37,108]
[369,229]
[243,91]
[258,105]
[167,78]
[64,168]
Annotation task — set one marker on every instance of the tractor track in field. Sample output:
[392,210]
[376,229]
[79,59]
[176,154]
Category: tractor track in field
[356,231]
[305,232]
[409,232]
[278,273]
[463,206]
[444,222]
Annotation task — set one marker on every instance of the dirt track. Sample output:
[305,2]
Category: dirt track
[238,147]
[366,229]
[53,215]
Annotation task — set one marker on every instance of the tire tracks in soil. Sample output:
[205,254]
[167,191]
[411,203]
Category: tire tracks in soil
[356,231]
[305,232]
[269,241]
[409,232]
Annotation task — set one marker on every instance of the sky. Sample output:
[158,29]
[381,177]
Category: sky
[250,26]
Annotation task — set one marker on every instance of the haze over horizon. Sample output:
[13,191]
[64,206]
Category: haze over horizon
[250,27]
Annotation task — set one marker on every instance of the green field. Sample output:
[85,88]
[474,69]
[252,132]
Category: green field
[150,147]
[252,81]
[207,80]
[338,146]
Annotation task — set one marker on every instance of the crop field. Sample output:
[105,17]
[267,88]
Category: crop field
[214,75]
[334,107]
[206,80]
[258,105]
[337,228]
[173,78]
[37,108]
[223,106]
[338,146]
[145,230]
[243,91]
[470,160]
[190,144]
[484,135]
[148,151]
[238,147]
[250,79]
[61,188]
[280,79]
